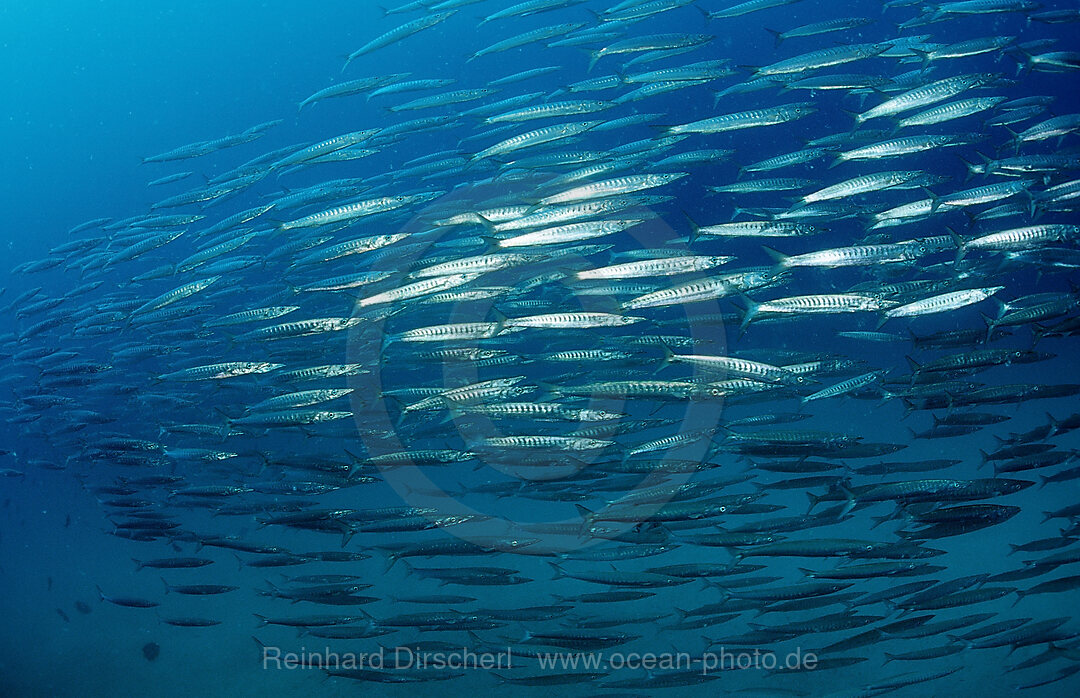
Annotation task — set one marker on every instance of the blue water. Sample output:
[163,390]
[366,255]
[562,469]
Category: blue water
[92,89]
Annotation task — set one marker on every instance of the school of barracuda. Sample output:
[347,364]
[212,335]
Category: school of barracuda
[554,353]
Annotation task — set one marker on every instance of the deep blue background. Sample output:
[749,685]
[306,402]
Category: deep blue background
[90,88]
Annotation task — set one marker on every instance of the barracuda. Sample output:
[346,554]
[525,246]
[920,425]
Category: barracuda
[611,188]
[289,418]
[664,266]
[352,87]
[177,294]
[703,70]
[814,304]
[541,34]
[764,185]
[744,8]
[558,443]
[356,210]
[799,157]
[706,289]
[534,138]
[445,99]
[844,387]
[824,58]
[417,289]
[398,33]
[926,95]
[825,27]
[541,411]
[754,229]
[896,147]
[320,372]
[769,116]
[860,255]
[496,389]
[951,110]
[303,398]
[551,110]
[328,146]
[482,264]
[734,366]
[571,321]
[345,282]
[301,328]
[864,184]
[566,213]
[1051,128]
[572,232]
[200,258]
[649,43]
[942,303]
[1027,237]
[220,371]
[454,332]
